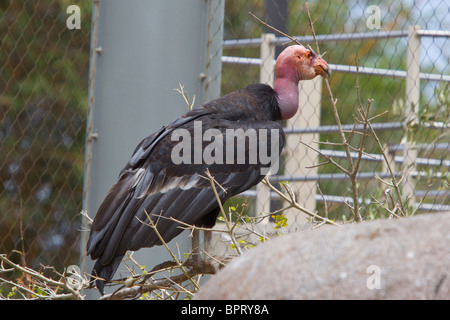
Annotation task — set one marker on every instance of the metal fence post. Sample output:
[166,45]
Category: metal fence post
[135,78]
[411,110]
[299,156]
[266,75]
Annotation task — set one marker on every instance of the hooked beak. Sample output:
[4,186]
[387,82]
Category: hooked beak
[322,68]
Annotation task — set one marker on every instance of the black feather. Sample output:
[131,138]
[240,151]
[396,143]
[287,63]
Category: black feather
[151,184]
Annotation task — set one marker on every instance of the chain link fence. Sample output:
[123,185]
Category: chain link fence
[44,69]
[376,36]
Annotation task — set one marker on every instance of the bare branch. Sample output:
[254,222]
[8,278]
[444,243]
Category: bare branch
[46,284]
[185,96]
[174,257]
[275,29]
[295,204]
[229,227]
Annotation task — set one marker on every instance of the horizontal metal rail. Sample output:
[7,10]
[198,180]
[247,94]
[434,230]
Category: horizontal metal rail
[348,69]
[432,193]
[433,33]
[343,176]
[331,176]
[345,36]
[379,157]
[341,199]
[349,200]
[254,42]
[346,127]
[388,72]
[438,146]
[242,60]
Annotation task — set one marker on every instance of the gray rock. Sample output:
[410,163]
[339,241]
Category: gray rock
[406,258]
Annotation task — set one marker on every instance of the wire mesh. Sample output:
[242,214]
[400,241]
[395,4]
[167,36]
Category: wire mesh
[347,21]
[44,83]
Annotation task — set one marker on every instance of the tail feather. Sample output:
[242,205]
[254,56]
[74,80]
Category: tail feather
[105,272]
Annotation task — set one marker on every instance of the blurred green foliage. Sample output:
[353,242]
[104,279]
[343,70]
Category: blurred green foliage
[43,98]
[388,93]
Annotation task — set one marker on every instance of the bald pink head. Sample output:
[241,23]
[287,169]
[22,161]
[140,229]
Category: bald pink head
[295,63]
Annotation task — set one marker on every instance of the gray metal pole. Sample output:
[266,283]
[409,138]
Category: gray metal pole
[144,50]
[277,17]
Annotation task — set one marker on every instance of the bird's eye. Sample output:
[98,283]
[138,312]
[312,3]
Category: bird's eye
[309,54]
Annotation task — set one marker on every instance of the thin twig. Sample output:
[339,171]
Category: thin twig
[229,228]
[295,204]
[395,183]
[330,160]
[43,283]
[185,96]
[352,171]
[180,265]
[275,29]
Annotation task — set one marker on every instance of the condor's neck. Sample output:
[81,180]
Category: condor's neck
[287,96]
